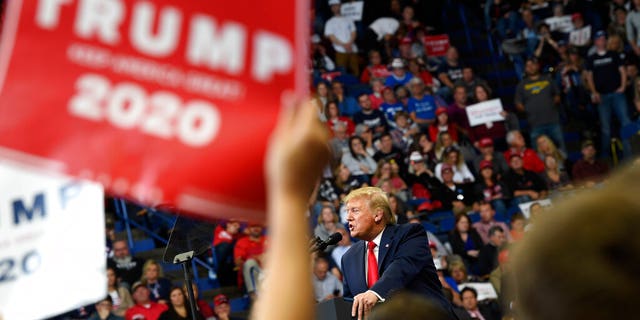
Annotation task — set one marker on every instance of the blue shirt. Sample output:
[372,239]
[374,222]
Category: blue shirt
[393,82]
[424,108]
[348,107]
[390,110]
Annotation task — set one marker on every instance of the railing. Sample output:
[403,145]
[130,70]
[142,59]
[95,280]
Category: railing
[122,212]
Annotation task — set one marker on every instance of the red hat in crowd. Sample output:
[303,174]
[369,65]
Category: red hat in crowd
[485,164]
[445,167]
[220,299]
[441,110]
[576,16]
[486,142]
[405,40]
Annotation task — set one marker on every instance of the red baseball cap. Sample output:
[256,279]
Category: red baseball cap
[486,142]
[485,164]
[441,110]
[220,299]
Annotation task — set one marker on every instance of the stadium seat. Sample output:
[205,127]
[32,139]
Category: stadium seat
[239,304]
[447,224]
[143,245]
[428,226]
[441,215]
[474,217]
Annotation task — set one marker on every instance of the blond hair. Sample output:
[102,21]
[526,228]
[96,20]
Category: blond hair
[376,198]
[146,266]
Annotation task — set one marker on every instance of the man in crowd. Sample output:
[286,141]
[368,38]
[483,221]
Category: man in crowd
[470,303]
[422,105]
[488,256]
[248,257]
[539,98]
[399,76]
[391,257]
[346,104]
[104,310]
[488,153]
[326,286]
[607,79]
[340,141]
[343,246]
[488,221]
[450,72]
[223,242]
[589,171]
[470,81]
[389,152]
[453,196]
[457,113]
[128,268]
[144,307]
[517,146]
[370,117]
[341,31]
[524,185]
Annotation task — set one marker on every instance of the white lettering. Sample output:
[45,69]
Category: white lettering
[271,54]
[101,18]
[217,49]
[166,39]
[48,13]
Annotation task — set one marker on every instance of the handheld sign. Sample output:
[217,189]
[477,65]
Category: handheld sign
[51,237]
[485,112]
[162,101]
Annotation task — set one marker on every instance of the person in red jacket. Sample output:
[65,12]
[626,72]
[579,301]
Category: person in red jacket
[247,255]
[530,159]
[144,307]
[375,69]
[442,124]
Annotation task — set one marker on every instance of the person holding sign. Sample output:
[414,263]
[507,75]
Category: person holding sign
[341,31]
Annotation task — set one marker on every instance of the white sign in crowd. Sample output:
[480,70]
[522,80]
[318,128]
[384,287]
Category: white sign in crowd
[52,243]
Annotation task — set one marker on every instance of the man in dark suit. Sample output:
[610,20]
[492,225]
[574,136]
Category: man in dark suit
[391,257]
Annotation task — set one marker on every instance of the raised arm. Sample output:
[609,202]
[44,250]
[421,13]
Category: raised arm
[297,153]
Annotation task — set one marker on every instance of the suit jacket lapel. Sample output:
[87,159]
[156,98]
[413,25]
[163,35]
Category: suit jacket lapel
[385,242]
[362,276]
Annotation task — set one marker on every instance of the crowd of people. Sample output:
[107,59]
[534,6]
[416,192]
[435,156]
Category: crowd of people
[398,122]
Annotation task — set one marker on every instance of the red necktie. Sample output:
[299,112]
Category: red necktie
[372,265]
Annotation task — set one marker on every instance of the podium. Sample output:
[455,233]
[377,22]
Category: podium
[336,309]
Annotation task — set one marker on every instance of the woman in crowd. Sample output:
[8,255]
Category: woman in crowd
[398,209]
[120,295]
[159,286]
[490,189]
[328,224]
[461,173]
[442,124]
[385,172]
[555,179]
[344,182]
[546,147]
[321,98]
[444,141]
[179,308]
[426,148]
[332,114]
[358,160]
[495,131]
[465,240]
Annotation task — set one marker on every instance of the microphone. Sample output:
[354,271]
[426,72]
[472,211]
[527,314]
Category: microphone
[331,240]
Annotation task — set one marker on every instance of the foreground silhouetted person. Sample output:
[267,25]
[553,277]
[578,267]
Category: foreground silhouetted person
[582,260]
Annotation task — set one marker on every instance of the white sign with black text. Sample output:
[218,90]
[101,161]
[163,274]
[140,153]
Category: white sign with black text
[52,243]
[485,112]
[352,10]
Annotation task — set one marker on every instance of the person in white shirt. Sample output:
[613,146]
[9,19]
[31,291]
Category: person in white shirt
[341,31]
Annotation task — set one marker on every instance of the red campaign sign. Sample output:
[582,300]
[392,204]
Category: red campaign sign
[164,101]
[436,46]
